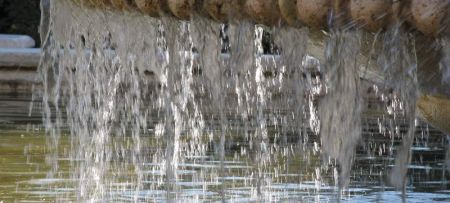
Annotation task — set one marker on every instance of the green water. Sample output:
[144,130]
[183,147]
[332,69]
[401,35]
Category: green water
[294,174]
[24,176]
[23,171]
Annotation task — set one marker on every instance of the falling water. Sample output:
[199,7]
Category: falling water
[340,110]
[445,63]
[207,39]
[398,61]
[445,69]
[293,43]
[96,75]
[151,104]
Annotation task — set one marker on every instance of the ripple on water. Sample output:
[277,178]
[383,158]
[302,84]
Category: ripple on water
[47,181]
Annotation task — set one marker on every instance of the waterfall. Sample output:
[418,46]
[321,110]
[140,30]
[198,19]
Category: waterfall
[159,109]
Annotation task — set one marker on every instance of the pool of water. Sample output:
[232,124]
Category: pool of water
[295,173]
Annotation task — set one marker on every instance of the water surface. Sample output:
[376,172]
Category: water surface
[300,175]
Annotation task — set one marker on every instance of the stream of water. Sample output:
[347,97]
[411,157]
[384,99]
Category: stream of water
[143,109]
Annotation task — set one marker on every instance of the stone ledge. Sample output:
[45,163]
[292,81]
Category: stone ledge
[18,80]
[16,41]
[19,75]
[19,57]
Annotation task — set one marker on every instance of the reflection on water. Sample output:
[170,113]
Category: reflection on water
[297,175]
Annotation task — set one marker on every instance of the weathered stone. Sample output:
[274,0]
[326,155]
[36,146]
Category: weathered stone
[149,7]
[289,11]
[181,8]
[429,16]
[217,9]
[124,4]
[224,10]
[313,13]
[264,11]
[372,15]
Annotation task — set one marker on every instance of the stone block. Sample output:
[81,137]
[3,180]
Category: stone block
[16,41]
[19,57]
